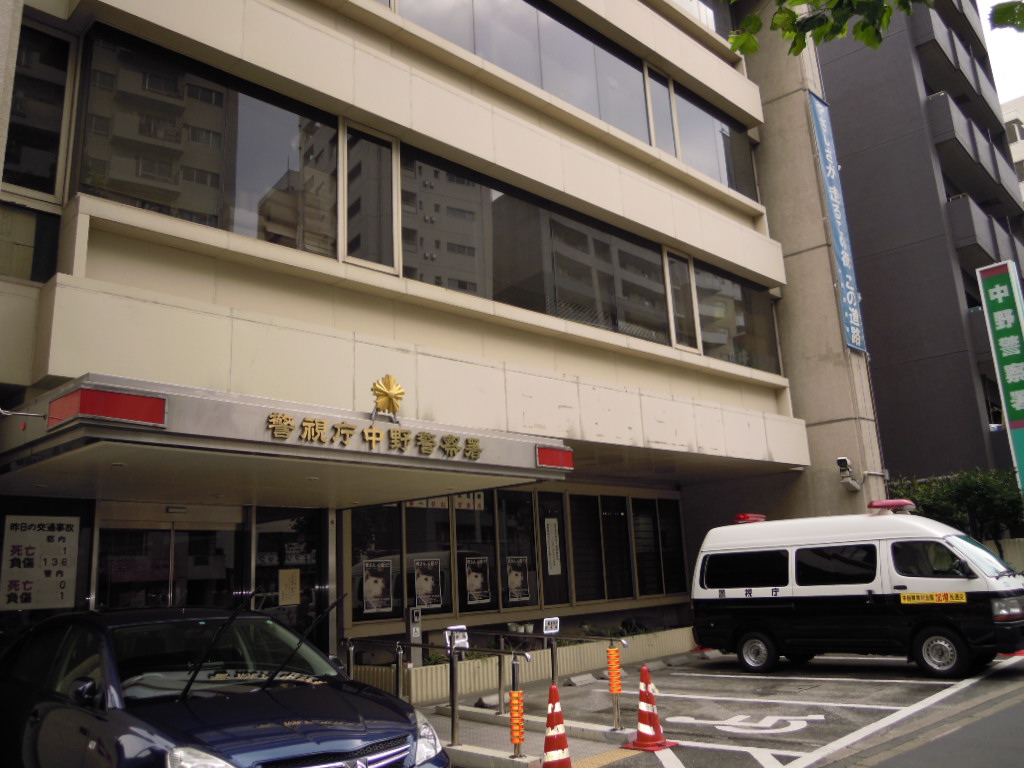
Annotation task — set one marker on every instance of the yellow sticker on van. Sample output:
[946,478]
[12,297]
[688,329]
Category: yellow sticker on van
[934,597]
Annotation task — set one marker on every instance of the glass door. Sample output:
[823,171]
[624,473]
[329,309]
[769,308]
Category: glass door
[168,564]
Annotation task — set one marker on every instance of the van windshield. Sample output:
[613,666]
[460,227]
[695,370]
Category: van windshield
[980,556]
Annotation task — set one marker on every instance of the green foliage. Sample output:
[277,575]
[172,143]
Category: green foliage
[824,20]
[985,503]
[1009,15]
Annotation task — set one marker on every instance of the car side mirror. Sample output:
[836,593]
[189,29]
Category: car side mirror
[84,691]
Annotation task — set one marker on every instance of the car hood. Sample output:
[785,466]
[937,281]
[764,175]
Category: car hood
[255,727]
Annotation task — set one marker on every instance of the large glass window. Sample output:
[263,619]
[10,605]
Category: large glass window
[754,568]
[618,563]
[37,112]
[370,208]
[647,545]
[376,562]
[428,569]
[536,41]
[519,565]
[737,321]
[673,560]
[844,564]
[290,567]
[685,324]
[714,143]
[168,134]
[477,561]
[553,548]
[587,560]
[471,233]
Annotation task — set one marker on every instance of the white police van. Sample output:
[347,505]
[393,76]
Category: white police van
[886,582]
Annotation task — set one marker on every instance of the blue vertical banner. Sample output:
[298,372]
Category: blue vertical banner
[1001,297]
[849,296]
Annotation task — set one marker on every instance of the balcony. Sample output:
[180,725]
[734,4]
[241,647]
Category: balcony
[970,160]
[127,174]
[978,238]
[142,129]
[947,65]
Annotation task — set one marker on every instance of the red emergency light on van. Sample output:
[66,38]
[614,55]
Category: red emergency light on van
[889,506]
[749,517]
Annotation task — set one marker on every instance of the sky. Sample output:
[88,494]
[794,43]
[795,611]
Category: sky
[1006,53]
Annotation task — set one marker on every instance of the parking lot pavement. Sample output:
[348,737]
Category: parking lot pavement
[812,714]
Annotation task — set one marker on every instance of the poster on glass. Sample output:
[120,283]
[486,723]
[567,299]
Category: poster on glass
[516,570]
[478,580]
[376,586]
[428,583]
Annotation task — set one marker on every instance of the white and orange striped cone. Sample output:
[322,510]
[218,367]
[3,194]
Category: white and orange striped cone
[649,736]
[556,745]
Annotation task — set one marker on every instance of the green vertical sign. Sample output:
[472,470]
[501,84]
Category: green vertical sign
[1000,294]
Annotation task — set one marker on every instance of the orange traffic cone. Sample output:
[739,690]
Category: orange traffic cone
[649,736]
[556,745]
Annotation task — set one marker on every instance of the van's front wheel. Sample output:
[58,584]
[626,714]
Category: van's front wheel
[757,652]
[941,653]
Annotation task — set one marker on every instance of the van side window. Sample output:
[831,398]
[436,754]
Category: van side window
[847,564]
[764,568]
[926,558]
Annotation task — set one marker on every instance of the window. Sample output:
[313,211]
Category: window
[754,568]
[618,560]
[32,159]
[372,236]
[428,565]
[518,561]
[681,283]
[714,143]
[737,320]
[97,124]
[477,572]
[377,585]
[588,564]
[285,190]
[845,564]
[538,256]
[554,548]
[926,558]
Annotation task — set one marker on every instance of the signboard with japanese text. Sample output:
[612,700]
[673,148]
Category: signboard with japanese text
[40,559]
[849,296]
[1001,298]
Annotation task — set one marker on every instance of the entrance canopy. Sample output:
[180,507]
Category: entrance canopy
[121,439]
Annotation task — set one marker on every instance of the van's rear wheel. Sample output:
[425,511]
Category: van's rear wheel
[757,652]
[941,653]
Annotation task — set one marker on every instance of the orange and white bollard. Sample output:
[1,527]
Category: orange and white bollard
[649,736]
[517,722]
[615,684]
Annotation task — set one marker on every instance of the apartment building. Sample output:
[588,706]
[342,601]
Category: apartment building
[1013,120]
[931,196]
[476,308]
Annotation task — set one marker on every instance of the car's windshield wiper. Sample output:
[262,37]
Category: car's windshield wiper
[213,641]
[302,640]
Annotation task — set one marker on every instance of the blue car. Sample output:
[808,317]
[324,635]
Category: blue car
[195,688]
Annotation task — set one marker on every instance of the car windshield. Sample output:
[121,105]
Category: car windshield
[155,661]
[980,556]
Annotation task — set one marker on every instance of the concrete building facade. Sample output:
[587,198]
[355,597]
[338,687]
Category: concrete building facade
[931,196]
[481,312]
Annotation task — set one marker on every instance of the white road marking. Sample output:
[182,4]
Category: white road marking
[761,700]
[872,680]
[889,720]
[668,759]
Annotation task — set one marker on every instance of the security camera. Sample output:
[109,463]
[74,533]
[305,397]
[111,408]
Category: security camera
[843,463]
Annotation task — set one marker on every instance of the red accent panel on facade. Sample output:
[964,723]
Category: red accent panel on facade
[554,457]
[108,405]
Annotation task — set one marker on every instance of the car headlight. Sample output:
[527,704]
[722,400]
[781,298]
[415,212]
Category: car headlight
[427,743]
[187,757]
[1007,608]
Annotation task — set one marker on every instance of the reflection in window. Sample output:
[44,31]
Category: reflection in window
[37,112]
[194,143]
[476,559]
[520,250]
[519,572]
[428,569]
[737,322]
[714,143]
[682,301]
[370,207]
[618,562]
[587,562]
[376,562]
[536,41]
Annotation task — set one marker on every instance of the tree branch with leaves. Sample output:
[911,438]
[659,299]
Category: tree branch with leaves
[824,20]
